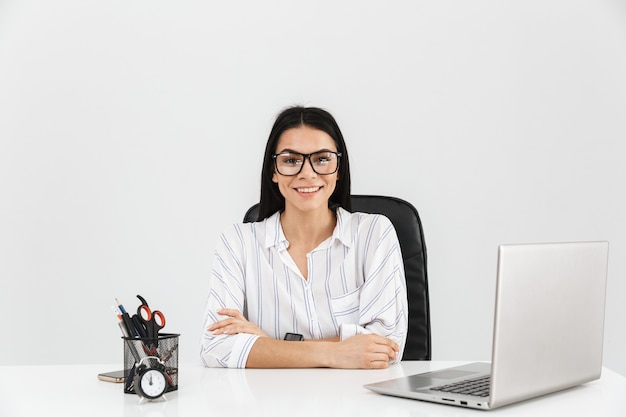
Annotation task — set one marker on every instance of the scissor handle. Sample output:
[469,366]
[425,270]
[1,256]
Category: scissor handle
[144,313]
[153,320]
[159,319]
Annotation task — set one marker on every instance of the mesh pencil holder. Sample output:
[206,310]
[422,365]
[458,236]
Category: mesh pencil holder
[161,353]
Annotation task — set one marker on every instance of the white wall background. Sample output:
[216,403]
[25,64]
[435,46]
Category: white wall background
[132,132]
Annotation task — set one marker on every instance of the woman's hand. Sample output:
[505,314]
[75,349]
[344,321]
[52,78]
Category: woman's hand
[365,351]
[235,323]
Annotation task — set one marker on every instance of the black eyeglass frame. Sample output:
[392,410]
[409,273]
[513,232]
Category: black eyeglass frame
[306,156]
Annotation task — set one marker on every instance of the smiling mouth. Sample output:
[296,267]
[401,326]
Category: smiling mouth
[308,189]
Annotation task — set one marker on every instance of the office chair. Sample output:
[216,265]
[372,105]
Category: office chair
[408,225]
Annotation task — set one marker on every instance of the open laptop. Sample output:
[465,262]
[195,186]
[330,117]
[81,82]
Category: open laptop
[548,330]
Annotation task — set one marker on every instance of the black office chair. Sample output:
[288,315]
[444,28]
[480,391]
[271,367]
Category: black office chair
[408,225]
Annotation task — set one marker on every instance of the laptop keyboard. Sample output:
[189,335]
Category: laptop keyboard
[478,387]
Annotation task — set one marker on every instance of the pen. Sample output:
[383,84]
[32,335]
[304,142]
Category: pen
[121,321]
[125,332]
[128,322]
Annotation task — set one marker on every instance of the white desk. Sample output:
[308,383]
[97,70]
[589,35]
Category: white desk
[75,391]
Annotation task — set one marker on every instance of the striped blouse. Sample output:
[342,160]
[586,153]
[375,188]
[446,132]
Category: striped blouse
[355,285]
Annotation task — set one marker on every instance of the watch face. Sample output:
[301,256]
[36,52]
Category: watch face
[152,383]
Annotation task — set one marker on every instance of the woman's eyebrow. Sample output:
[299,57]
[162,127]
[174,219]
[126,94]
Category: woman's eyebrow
[302,153]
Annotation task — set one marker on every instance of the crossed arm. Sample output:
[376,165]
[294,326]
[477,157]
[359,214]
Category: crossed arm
[364,351]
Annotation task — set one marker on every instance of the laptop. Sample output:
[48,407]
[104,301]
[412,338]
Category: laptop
[547,336]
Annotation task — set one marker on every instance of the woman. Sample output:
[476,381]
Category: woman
[308,268]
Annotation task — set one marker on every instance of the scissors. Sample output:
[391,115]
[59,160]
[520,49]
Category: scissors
[150,322]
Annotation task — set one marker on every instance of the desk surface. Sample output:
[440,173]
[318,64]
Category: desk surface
[74,390]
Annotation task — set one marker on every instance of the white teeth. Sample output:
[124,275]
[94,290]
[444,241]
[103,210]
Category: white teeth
[308,190]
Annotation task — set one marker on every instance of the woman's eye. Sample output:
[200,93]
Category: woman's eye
[292,161]
[322,159]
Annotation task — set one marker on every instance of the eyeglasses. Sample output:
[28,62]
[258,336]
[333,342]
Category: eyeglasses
[291,163]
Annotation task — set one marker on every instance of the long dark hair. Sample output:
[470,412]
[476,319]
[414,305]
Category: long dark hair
[271,198]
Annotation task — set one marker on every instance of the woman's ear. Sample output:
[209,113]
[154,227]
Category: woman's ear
[274,179]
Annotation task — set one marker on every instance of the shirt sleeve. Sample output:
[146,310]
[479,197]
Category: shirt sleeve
[226,290]
[383,306]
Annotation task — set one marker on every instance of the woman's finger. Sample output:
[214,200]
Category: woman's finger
[231,312]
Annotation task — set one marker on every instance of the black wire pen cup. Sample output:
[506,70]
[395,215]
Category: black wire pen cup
[159,353]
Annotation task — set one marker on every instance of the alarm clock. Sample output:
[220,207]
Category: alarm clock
[150,382]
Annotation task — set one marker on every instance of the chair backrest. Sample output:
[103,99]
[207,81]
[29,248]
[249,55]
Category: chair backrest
[408,225]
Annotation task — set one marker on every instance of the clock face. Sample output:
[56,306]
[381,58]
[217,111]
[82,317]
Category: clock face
[153,383]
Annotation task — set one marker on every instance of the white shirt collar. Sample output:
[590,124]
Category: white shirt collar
[274,235]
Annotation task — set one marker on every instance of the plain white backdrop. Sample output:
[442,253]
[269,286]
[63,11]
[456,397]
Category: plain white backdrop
[132,133]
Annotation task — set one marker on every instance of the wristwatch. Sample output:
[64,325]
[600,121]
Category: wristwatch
[294,337]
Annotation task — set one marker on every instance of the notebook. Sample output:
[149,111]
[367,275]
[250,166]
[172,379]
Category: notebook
[548,330]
